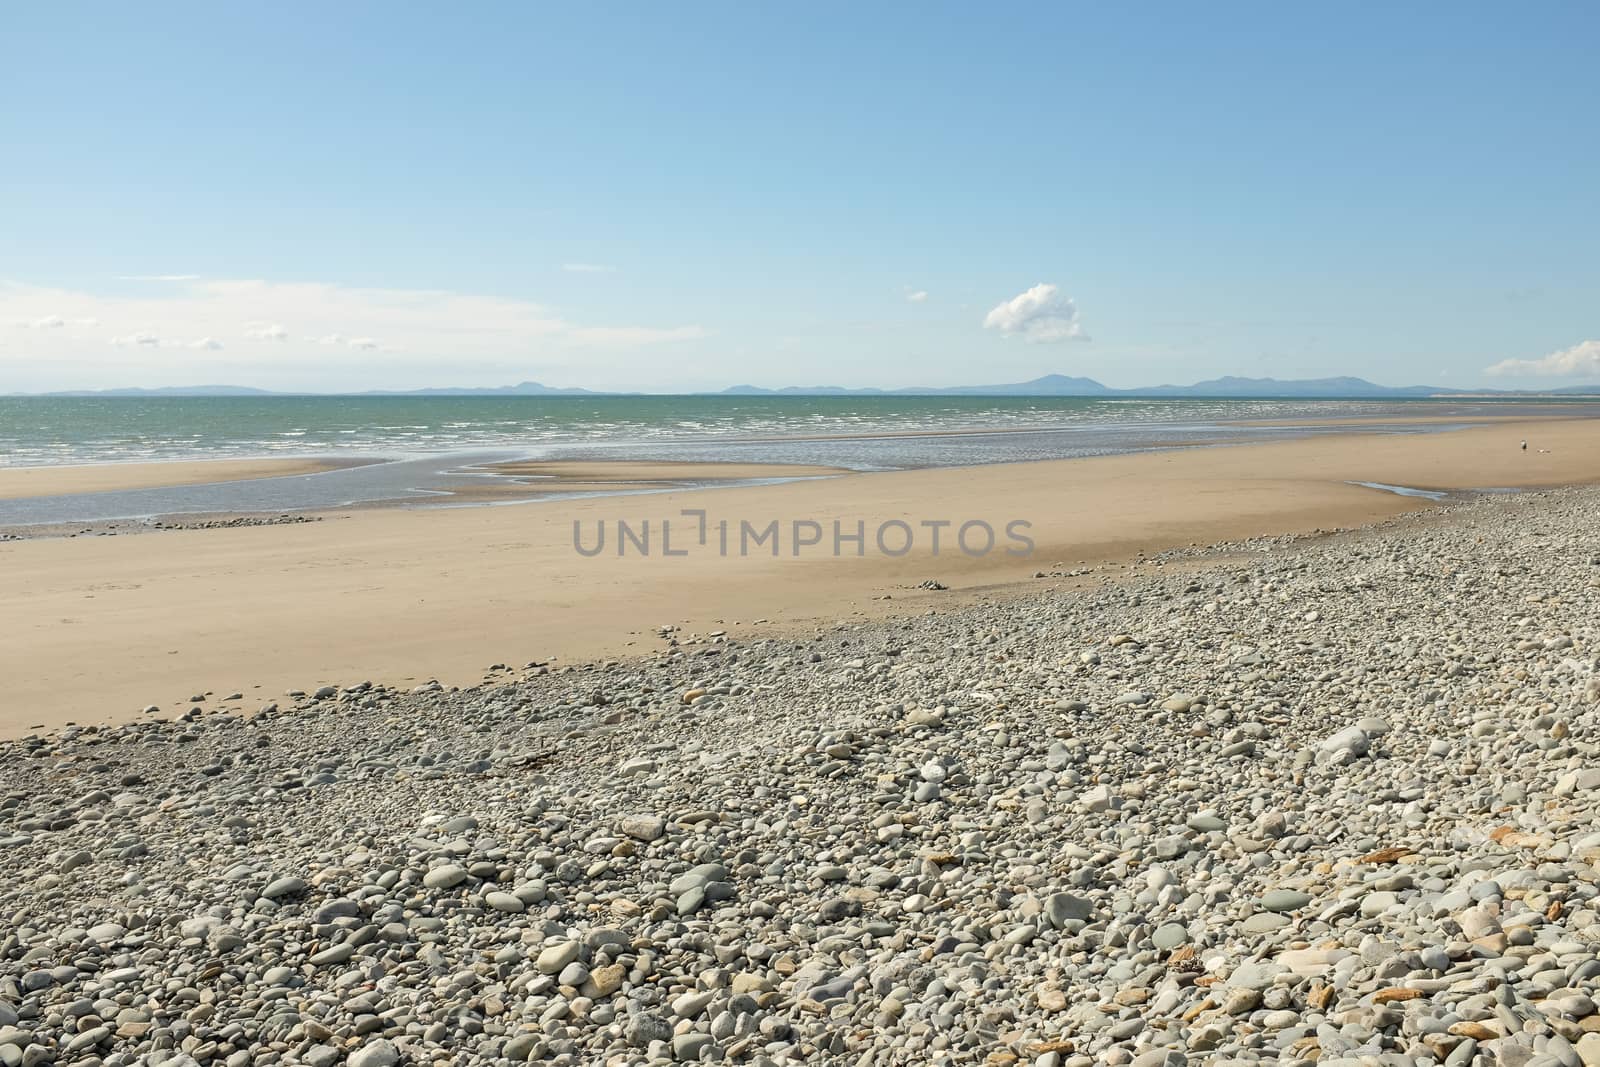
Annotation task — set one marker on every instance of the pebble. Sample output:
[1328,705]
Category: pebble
[445,876]
[643,827]
[1285,900]
[378,1053]
[283,887]
[554,958]
[508,903]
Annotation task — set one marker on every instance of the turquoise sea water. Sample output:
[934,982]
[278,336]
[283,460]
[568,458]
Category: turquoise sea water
[415,447]
[47,430]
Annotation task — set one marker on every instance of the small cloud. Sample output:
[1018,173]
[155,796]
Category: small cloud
[272,332]
[85,322]
[364,343]
[149,340]
[158,277]
[636,335]
[917,296]
[49,322]
[586,268]
[1581,359]
[1040,315]
[210,343]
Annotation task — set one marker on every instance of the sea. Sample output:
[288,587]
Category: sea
[396,445]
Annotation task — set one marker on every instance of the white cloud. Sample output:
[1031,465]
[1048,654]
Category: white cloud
[158,277]
[49,322]
[1039,315]
[267,332]
[310,332]
[365,344]
[586,268]
[630,336]
[1580,359]
[917,296]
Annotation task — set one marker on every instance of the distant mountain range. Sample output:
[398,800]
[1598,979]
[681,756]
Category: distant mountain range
[1062,385]
[1049,385]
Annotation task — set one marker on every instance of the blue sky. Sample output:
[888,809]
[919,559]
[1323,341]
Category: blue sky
[354,196]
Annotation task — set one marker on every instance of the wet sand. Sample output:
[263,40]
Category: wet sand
[534,479]
[99,627]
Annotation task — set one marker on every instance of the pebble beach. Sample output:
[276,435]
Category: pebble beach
[1303,799]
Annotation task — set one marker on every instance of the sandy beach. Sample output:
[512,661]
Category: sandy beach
[17,482]
[102,627]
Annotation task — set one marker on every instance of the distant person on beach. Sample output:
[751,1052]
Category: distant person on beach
[1524,446]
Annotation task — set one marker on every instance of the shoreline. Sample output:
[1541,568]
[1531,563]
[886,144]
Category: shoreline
[146,493]
[405,596]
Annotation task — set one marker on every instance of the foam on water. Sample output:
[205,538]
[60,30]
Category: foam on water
[52,430]
[1403,490]
[427,442]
